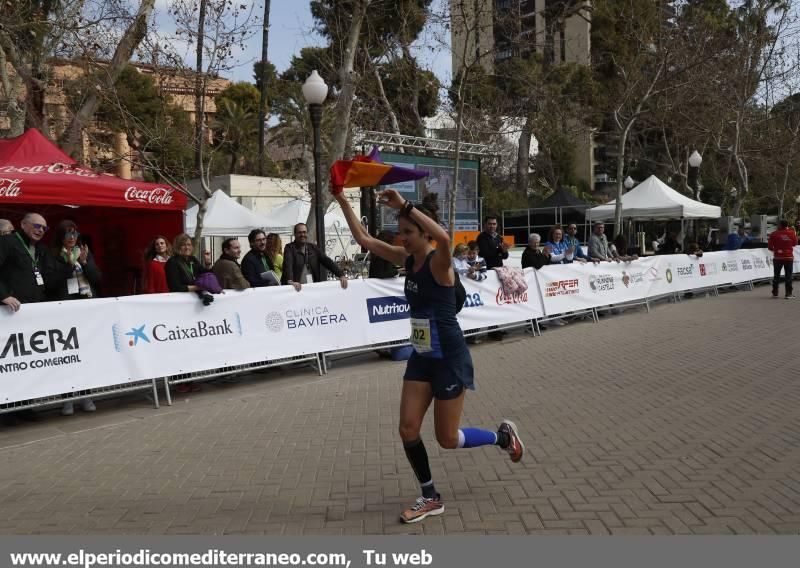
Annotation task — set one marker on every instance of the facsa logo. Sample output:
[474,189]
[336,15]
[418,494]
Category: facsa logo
[387,308]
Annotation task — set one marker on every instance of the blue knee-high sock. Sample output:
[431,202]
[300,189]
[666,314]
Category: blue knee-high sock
[474,437]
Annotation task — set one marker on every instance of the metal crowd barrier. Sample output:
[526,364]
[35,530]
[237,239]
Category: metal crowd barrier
[321,360]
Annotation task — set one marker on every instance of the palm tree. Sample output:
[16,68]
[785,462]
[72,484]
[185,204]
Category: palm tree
[236,131]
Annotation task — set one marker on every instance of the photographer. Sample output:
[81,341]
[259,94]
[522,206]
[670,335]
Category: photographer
[182,269]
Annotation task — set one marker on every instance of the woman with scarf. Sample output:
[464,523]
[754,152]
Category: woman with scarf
[71,275]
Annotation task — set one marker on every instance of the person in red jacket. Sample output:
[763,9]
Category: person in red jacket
[782,243]
[155,259]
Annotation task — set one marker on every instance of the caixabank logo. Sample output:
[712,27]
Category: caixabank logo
[387,308]
[309,317]
[142,334]
[39,349]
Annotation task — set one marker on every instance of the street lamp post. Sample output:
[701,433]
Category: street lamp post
[695,159]
[694,163]
[629,183]
[314,91]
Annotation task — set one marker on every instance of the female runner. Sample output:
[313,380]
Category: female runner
[440,367]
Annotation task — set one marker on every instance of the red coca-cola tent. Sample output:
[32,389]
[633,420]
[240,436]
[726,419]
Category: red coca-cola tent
[117,217]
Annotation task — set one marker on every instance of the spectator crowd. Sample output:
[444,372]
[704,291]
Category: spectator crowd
[64,268]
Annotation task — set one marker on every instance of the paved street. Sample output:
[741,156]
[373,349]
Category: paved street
[678,421]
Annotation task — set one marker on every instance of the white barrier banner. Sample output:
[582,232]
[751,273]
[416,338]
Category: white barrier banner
[61,347]
[485,305]
[56,347]
[573,287]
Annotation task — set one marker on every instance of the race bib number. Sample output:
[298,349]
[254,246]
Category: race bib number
[421,335]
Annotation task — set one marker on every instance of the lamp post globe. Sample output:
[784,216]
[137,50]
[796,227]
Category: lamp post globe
[695,160]
[315,91]
[629,183]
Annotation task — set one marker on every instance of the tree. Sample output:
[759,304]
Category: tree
[216,28]
[156,130]
[72,138]
[760,25]
[633,63]
[262,80]
[35,31]
[469,17]
[344,39]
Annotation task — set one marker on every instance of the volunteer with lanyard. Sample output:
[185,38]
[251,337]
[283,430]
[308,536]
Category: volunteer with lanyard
[440,368]
[182,269]
[22,267]
[256,264]
[77,274]
[303,261]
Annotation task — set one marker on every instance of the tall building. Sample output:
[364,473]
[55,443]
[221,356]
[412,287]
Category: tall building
[491,31]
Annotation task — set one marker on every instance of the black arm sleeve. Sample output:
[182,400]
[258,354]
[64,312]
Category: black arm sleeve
[93,274]
[175,278]
[55,272]
[252,269]
[328,263]
[486,247]
[288,264]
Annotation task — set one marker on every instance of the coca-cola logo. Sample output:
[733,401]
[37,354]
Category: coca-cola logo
[10,187]
[57,169]
[157,196]
[501,298]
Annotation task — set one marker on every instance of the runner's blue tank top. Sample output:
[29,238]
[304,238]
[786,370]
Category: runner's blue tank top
[433,308]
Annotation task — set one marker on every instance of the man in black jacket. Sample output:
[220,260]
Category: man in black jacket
[22,268]
[303,261]
[491,245]
[256,262]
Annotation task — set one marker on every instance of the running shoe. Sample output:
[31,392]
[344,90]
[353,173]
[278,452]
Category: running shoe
[791,297]
[421,509]
[515,447]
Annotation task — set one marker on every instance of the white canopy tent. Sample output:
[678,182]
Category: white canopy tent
[653,199]
[224,217]
[285,217]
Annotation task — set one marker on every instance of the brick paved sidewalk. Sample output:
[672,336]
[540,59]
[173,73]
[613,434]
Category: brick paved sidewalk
[678,421]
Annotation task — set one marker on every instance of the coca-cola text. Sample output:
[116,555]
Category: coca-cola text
[502,298]
[51,169]
[10,187]
[157,196]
